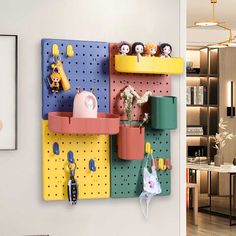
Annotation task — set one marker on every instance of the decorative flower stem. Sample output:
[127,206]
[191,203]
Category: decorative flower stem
[221,138]
[130,95]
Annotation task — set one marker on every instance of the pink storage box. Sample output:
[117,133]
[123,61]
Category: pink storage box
[63,122]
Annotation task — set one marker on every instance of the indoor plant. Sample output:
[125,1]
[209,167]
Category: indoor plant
[131,136]
[220,140]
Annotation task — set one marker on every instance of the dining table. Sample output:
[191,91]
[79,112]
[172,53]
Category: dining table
[228,169]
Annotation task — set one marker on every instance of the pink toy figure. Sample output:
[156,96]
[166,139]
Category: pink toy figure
[85,105]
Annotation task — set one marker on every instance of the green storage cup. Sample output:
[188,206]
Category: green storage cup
[163,112]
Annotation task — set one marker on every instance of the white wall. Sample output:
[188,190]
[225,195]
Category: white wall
[22,210]
[7,92]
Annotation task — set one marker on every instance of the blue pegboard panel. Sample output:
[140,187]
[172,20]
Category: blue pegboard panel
[127,176]
[88,68]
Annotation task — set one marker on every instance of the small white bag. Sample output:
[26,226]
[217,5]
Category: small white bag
[151,187]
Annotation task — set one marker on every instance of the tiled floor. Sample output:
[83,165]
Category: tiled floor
[211,225]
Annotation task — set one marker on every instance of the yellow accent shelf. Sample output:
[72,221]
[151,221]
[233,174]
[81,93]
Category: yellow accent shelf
[85,147]
[148,65]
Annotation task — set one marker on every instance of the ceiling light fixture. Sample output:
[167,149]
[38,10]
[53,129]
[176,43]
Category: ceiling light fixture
[231,42]
[212,21]
[206,23]
[217,45]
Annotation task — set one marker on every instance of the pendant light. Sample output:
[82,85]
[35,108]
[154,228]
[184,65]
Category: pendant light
[230,42]
[209,22]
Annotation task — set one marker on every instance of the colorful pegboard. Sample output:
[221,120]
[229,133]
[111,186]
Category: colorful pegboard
[85,147]
[127,176]
[157,84]
[89,68]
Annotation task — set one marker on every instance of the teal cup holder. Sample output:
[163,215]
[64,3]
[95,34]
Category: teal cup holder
[164,112]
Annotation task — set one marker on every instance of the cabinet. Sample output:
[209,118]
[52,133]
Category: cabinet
[205,73]
[205,115]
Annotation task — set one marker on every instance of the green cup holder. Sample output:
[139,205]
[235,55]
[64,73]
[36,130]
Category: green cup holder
[163,112]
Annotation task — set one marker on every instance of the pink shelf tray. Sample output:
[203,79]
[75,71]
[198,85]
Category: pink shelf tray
[63,122]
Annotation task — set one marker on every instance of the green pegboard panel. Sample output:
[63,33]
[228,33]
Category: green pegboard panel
[127,176]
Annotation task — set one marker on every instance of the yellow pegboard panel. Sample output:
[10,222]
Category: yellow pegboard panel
[149,65]
[85,147]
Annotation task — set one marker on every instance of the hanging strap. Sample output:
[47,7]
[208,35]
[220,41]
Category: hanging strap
[152,160]
[144,200]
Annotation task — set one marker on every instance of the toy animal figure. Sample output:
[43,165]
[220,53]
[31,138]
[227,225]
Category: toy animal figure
[138,49]
[124,48]
[150,49]
[85,105]
[55,85]
[166,50]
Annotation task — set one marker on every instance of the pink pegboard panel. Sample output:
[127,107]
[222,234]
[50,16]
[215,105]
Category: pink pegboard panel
[159,85]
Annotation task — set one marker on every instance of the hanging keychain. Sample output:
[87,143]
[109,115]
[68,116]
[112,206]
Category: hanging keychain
[58,76]
[57,67]
[72,186]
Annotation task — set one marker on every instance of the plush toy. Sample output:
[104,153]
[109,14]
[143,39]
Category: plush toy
[166,50]
[85,105]
[150,49]
[124,48]
[138,49]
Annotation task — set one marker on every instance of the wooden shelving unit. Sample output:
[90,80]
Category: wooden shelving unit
[206,115]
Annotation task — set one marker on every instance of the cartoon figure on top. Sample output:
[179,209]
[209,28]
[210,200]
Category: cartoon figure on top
[138,49]
[166,50]
[150,49]
[124,48]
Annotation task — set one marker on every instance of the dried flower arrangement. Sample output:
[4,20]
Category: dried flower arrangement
[130,95]
[222,137]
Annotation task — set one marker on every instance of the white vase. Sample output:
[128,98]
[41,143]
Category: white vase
[219,159]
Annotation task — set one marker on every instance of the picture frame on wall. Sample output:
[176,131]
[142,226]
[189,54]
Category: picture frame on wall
[8,91]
